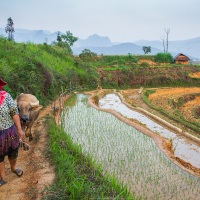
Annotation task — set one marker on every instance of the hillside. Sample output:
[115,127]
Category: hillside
[41,69]
[149,77]
[50,69]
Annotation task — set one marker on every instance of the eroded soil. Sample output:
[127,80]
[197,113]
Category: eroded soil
[195,75]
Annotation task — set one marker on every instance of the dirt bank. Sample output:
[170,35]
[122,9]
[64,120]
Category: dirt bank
[190,96]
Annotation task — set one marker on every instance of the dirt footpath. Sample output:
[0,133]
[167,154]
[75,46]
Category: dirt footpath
[38,173]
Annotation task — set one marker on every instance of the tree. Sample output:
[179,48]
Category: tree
[69,38]
[59,39]
[10,29]
[146,49]
[166,43]
[65,41]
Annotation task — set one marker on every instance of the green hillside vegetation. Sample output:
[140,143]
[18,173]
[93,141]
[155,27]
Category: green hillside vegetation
[127,71]
[42,70]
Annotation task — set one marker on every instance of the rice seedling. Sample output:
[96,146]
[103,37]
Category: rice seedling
[126,154]
[188,152]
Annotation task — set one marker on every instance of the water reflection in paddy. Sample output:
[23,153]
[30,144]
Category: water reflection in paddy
[182,149]
[127,154]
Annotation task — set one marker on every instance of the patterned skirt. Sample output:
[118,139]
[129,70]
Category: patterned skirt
[9,139]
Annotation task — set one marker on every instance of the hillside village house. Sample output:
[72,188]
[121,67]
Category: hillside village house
[181,59]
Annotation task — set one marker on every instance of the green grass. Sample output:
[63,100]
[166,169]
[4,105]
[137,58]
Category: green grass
[114,60]
[145,57]
[77,177]
[41,70]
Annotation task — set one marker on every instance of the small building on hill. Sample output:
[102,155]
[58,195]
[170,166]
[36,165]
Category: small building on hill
[181,59]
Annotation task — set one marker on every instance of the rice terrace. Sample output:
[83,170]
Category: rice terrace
[127,154]
[152,163]
[112,126]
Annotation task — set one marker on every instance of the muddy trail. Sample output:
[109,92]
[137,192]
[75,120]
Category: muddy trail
[35,163]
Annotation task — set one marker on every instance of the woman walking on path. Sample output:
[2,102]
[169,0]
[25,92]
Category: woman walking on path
[11,133]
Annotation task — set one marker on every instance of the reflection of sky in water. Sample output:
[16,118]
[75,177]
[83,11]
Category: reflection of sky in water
[189,153]
[186,151]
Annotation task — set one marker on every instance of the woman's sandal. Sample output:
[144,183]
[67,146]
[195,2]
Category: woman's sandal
[18,172]
[2,182]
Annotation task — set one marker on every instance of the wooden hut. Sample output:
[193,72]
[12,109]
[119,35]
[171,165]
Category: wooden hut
[181,59]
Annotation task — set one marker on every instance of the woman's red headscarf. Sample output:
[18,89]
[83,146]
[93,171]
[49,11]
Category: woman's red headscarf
[2,93]
[2,83]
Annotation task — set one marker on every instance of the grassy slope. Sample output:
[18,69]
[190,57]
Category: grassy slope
[41,70]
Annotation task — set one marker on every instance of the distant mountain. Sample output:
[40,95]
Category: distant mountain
[34,36]
[94,41]
[103,45]
[115,49]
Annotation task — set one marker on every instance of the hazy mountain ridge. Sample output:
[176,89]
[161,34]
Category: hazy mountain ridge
[103,45]
[34,36]
[94,40]
[117,49]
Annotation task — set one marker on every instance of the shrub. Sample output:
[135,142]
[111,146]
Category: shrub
[163,58]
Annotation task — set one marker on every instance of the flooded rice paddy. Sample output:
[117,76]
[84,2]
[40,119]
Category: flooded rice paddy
[182,149]
[130,156]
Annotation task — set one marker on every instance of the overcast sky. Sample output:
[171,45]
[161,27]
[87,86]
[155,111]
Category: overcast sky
[120,20]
